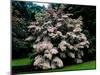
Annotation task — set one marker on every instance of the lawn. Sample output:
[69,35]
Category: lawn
[22,66]
[83,66]
[20,62]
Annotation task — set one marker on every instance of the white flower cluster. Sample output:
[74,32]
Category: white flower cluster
[57,37]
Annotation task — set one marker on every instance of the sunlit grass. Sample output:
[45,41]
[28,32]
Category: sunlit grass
[83,66]
[21,62]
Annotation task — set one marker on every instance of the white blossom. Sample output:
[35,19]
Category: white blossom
[54,51]
[47,54]
[56,62]
[62,45]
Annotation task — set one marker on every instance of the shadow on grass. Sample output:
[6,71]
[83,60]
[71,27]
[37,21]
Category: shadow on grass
[26,69]
[22,69]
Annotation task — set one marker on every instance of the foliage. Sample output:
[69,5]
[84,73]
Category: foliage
[20,17]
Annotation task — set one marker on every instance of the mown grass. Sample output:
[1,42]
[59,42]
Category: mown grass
[20,62]
[83,66]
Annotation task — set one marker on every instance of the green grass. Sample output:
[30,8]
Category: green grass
[83,66]
[21,62]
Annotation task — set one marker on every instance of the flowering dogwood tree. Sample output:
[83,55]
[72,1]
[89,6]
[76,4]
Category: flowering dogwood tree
[57,37]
